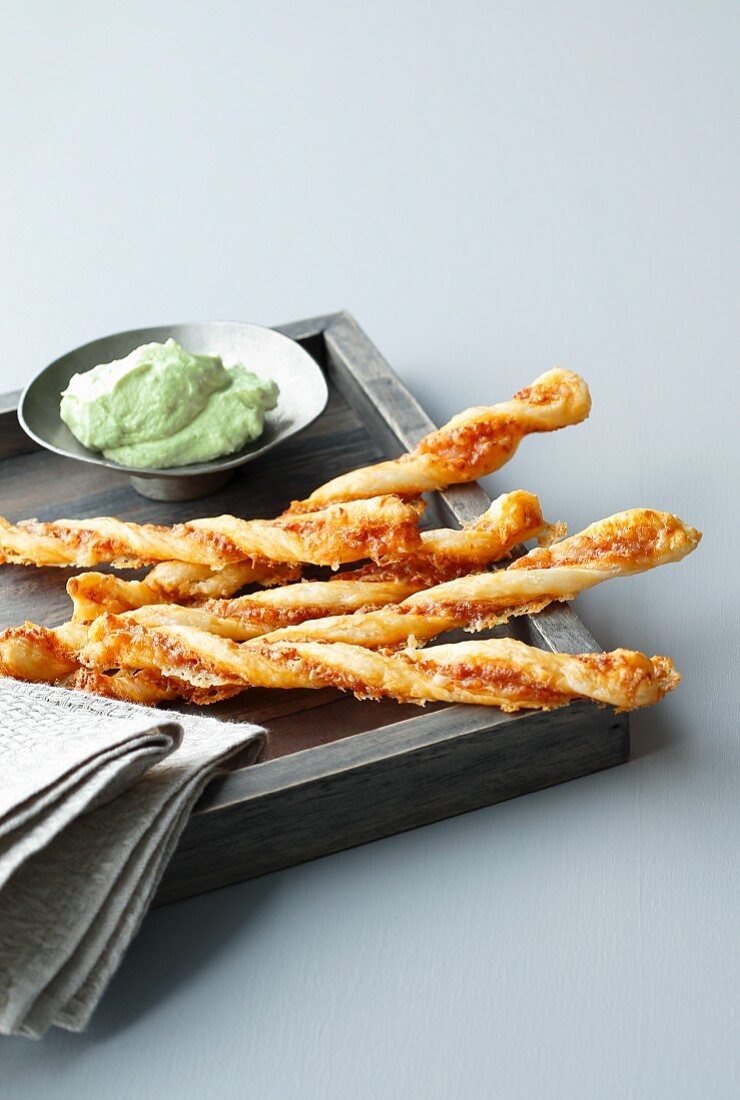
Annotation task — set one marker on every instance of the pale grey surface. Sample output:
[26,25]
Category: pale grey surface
[492,188]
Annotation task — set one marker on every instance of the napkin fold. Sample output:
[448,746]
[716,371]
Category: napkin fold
[94,794]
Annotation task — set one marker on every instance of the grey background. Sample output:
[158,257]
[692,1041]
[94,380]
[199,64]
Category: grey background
[491,188]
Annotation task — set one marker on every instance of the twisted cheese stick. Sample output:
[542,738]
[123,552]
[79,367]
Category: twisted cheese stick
[148,688]
[170,582]
[251,616]
[499,672]
[51,655]
[38,653]
[626,543]
[511,518]
[256,615]
[381,528]
[474,443]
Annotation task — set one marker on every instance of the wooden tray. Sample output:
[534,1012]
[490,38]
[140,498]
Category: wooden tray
[338,772]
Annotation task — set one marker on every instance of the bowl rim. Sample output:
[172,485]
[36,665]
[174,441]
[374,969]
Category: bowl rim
[226,462]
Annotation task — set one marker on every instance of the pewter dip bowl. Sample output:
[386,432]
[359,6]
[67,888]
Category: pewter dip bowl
[303,396]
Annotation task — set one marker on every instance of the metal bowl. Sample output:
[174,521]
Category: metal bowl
[303,396]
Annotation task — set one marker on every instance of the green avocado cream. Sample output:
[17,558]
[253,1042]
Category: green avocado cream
[162,406]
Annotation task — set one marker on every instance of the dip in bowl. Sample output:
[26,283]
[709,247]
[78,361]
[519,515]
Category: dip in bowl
[234,381]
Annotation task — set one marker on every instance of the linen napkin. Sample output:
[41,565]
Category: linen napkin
[94,794]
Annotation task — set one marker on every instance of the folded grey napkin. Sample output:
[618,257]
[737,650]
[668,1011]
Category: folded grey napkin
[94,794]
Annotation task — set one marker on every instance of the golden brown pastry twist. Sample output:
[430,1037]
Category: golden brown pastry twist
[474,443]
[510,519]
[146,687]
[170,582]
[498,672]
[381,528]
[40,653]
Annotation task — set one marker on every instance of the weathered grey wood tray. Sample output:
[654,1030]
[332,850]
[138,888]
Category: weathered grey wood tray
[338,772]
